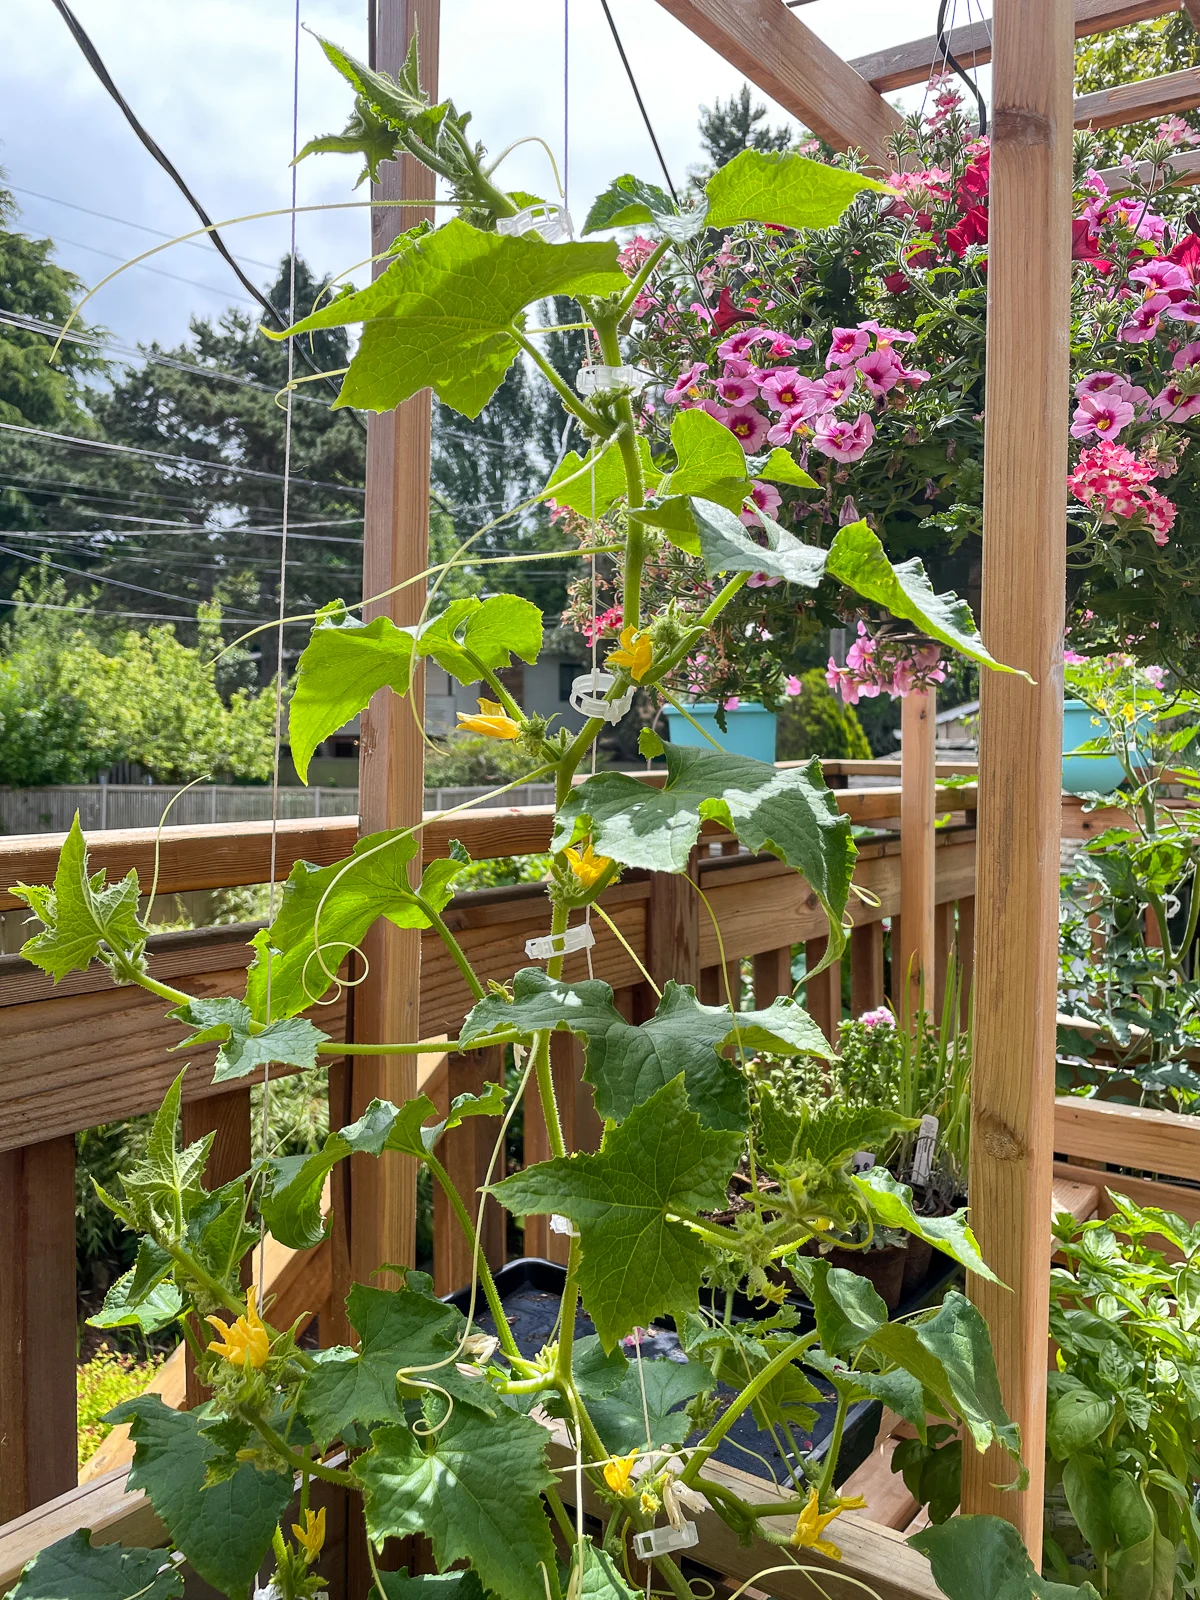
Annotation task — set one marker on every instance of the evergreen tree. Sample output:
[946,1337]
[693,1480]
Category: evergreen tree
[731,126]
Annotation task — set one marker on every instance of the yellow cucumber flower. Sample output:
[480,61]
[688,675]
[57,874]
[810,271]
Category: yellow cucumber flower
[636,653]
[617,1471]
[493,721]
[244,1344]
[812,1522]
[588,867]
[310,1535]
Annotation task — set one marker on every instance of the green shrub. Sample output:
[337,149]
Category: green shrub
[816,723]
[102,1383]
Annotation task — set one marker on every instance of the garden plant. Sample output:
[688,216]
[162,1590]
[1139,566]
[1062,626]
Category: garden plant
[441,1428]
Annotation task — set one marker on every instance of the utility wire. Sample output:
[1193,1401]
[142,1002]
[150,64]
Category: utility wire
[96,577]
[637,95]
[158,272]
[92,56]
[90,611]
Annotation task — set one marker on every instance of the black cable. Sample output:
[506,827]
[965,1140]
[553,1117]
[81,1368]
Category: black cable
[91,55]
[951,60]
[637,95]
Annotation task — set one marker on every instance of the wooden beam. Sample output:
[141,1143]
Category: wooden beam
[904,64]
[1020,773]
[776,51]
[382,1204]
[1136,102]
[1161,1142]
[37,1325]
[918,870]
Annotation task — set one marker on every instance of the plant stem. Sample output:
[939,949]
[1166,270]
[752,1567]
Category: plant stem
[456,950]
[494,684]
[571,401]
[507,1343]
[722,598]
[635,537]
[164,991]
[835,1446]
[565,1526]
[299,1463]
[419,1048]
[740,1402]
[205,1278]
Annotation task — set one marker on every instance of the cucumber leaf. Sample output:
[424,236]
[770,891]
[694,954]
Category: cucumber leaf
[783,188]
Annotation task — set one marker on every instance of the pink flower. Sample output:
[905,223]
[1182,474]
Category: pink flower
[1104,414]
[1162,276]
[685,390]
[885,337]
[1154,676]
[837,385]
[759,580]
[747,425]
[738,343]
[1101,383]
[844,441]
[766,497]
[913,377]
[793,418]
[1187,357]
[607,621]
[1143,324]
[792,685]
[784,388]
[881,1017]
[737,391]
[880,371]
[635,254]
[1072,658]
[846,346]
[783,344]
[1175,405]
[731,703]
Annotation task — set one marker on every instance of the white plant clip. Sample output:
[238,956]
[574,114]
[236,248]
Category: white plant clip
[552,223]
[588,691]
[661,1541]
[600,379]
[927,1136]
[563,1225]
[580,937]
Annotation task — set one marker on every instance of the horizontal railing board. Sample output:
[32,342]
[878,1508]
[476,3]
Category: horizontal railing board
[1136,102]
[901,65]
[1160,1142]
[226,855]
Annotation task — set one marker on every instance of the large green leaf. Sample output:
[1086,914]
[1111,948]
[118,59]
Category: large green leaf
[397,1328]
[151,1311]
[891,1201]
[83,919]
[1076,1418]
[827,1135]
[601,1580]
[442,315]
[848,1310]
[593,485]
[224,1529]
[637,1263]
[429,1586]
[343,664]
[626,1063]
[726,545]
[977,1557]
[858,559]
[784,188]
[292,1041]
[951,1355]
[1143,1571]
[474,1488]
[471,633]
[790,813]
[162,1187]
[1088,1483]
[629,201]
[371,882]
[621,1417]
[898,1390]
[291,1201]
[711,464]
[76,1569]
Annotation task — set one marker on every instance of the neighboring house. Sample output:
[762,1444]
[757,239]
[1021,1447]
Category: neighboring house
[544,688]
[958,732]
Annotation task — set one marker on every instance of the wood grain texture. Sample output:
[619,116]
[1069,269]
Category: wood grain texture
[918,870]
[772,970]
[823,994]
[1135,102]
[467,1152]
[901,65]
[1020,772]
[1160,1142]
[37,1325]
[866,968]
[790,63]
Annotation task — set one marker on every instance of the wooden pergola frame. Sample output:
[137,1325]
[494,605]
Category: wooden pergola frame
[1030,47]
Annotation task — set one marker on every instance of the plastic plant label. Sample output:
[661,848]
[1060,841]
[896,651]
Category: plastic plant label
[863,1161]
[580,937]
[661,1541]
[588,692]
[927,1135]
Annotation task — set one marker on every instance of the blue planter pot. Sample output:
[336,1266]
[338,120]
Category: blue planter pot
[751,729]
[1081,773]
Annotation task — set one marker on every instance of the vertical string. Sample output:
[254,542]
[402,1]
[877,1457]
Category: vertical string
[566,178]
[279,654]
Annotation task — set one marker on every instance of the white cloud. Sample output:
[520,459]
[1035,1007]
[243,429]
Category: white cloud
[212,81]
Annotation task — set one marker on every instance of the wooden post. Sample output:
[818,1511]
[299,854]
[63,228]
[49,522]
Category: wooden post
[673,926]
[866,968]
[918,868]
[943,947]
[966,956]
[465,1152]
[383,1190]
[823,994]
[227,1117]
[37,1325]
[1020,772]
[772,971]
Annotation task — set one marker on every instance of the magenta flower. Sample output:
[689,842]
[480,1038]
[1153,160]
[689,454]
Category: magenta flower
[685,390]
[880,371]
[1101,383]
[884,337]
[881,1017]
[759,580]
[1187,357]
[1103,414]
[783,344]
[736,367]
[766,498]
[837,385]
[731,703]
[844,441]
[792,685]
[1176,405]
[1154,676]
[846,346]
[793,418]
[738,343]
[784,388]
[747,425]
[737,391]
[1072,658]
[913,377]
[1143,324]
[1162,276]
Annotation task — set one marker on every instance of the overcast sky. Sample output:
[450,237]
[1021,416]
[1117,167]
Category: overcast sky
[211,80]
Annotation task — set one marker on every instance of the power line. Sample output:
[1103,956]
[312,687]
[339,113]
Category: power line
[90,611]
[637,95]
[182,461]
[158,272]
[126,222]
[96,577]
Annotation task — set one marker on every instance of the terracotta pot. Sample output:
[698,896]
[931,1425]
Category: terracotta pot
[884,1269]
[916,1265]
